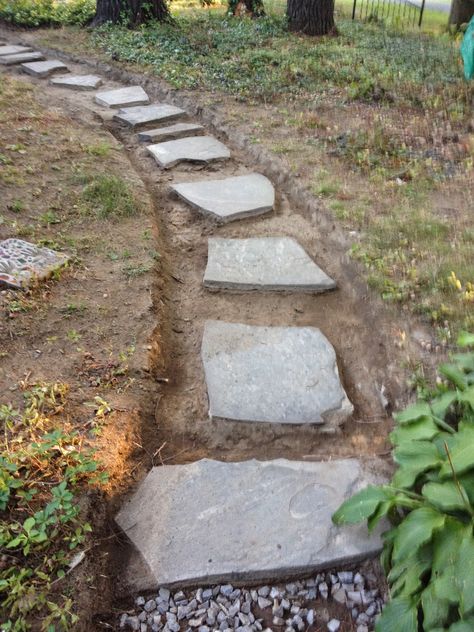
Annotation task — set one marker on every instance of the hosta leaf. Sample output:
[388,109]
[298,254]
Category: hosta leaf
[467,481]
[414,459]
[446,544]
[417,529]
[461,449]
[424,428]
[445,587]
[445,496]
[454,375]
[388,538]
[362,505]
[440,404]
[467,396]
[414,412]
[465,573]
[405,578]
[435,610]
[382,510]
[463,626]
[399,614]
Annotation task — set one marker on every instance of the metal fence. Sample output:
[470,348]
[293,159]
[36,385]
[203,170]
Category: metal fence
[401,12]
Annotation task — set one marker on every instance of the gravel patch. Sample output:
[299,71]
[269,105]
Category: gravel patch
[296,606]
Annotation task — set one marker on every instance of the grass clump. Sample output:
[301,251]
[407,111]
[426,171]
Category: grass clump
[109,196]
[45,464]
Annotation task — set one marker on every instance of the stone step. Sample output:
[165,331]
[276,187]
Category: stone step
[122,97]
[229,199]
[21,262]
[263,263]
[141,116]
[14,50]
[173,132]
[77,82]
[43,69]
[277,375]
[19,58]
[193,149]
[211,521]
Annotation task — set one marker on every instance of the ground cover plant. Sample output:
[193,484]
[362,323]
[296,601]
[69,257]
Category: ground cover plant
[47,12]
[428,553]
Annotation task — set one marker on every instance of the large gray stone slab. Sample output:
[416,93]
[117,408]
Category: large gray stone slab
[44,68]
[173,132]
[146,115]
[14,50]
[77,82]
[192,149]
[263,263]
[19,58]
[121,97]
[210,521]
[278,375]
[230,198]
[21,262]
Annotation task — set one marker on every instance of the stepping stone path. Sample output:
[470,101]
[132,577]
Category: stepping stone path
[77,82]
[173,132]
[277,375]
[21,262]
[265,263]
[14,50]
[150,114]
[192,149]
[251,520]
[43,69]
[217,521]
[19,58]
[231,198]
[121,97]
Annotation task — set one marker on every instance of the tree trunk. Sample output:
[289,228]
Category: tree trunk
[254,8]
[135,11]
[461,12]
[312,17]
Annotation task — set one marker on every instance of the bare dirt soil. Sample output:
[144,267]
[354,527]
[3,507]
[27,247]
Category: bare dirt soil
[125,320]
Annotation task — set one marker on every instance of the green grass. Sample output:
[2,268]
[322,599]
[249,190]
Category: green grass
[260,59]
[110,196]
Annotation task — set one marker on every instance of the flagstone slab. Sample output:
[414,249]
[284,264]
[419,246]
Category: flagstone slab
[14,50]
[77,82]
[263,263]
[44,68]
[149,114]
[230,198]
[277,375]
[121,97]
[173,132]
[212,522]
[19,58]
[21,262]
[191,149]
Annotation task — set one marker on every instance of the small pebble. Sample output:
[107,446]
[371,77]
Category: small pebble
[264,603]
[334,625]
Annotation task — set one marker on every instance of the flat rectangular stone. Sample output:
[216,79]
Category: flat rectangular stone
[212,522]
[192,149]
[229,199]
[278,375]
[11,60]
[44,68]
[148,114]
[14,50]
[173,132]
[20,262]
[263,263]
[121,97]
[77,82]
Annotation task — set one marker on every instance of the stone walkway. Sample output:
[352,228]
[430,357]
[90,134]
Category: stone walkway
[212,521]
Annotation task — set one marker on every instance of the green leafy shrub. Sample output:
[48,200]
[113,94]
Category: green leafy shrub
[47,12]
[44,466]
[428,553]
